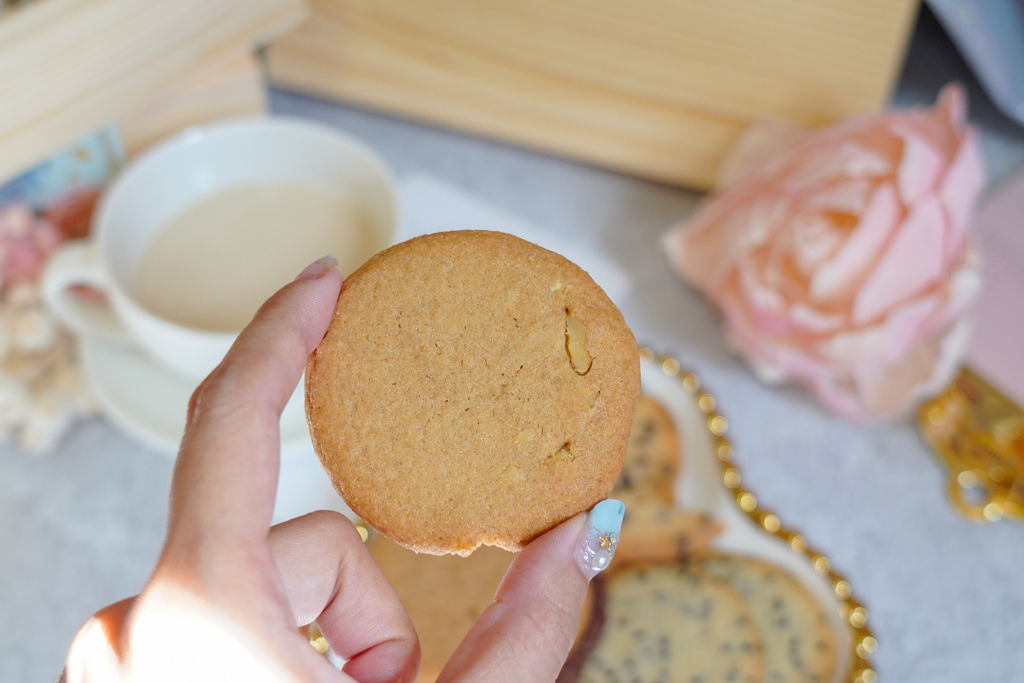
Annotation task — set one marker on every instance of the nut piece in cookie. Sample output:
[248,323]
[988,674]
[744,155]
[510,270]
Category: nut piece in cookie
[472,389]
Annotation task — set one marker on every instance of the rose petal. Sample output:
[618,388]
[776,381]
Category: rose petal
[887,340]
[919,168]
[847,196]
[765,305]
[759,145]
[879,219]
[891,389]
[952,106]
[773,359]
[807,319]
[958,292]
[829,164]
[912,262]
[964,179]
[704,250]
[815,239]
[940,127]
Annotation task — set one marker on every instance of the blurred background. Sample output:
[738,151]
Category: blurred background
[596,129]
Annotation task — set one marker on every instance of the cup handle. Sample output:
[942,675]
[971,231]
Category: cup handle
[77,263]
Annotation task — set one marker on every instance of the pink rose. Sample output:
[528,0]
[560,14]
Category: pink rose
[842,262]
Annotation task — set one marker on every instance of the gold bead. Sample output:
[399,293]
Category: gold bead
[706,402]
[717,425]
[731,477]
[363,532]
[841,588]
[820,562]
[868,675]
[993,512]
[967,479]
[691,383]
[646,353]
[771,523]
[866,646]
[797,542]
[723,450]
[858,617]
[670,366]
[747,501]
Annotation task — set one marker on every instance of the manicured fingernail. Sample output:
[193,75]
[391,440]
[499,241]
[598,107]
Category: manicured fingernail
[318,268]
[597,545]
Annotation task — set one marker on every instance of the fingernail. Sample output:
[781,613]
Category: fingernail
[318,268]
[600,538]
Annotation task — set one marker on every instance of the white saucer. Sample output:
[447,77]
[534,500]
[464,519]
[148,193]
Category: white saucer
[147,402]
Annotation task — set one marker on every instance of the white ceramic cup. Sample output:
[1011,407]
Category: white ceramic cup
[171,177]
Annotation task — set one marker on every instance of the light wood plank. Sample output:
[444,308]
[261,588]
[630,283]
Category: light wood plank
[68,67]
[652,87]
[808,60]
[231,85]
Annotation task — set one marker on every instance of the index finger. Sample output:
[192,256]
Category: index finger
[225,479]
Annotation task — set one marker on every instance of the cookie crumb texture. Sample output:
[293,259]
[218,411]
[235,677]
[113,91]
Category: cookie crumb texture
[472,389]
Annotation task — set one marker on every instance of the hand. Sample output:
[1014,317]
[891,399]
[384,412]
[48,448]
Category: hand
[229,593]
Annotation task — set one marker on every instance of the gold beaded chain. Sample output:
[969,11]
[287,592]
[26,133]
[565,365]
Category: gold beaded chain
[852,612]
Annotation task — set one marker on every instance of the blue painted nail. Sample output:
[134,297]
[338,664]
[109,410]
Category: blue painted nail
[601,537]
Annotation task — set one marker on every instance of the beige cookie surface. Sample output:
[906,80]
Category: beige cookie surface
[442,595]
[653,453]
[667,623]
[799,645]
[472,388]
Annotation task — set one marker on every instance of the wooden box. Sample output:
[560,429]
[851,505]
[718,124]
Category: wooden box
[70,67]
[657,88]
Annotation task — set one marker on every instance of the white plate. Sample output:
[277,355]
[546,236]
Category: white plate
[701,486]
[148,402]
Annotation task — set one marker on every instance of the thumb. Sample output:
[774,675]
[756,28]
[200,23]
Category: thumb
[526,633]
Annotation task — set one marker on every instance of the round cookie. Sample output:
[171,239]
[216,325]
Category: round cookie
[666,623]
[799,644]
[654,531]
[653,453]
[472,389]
